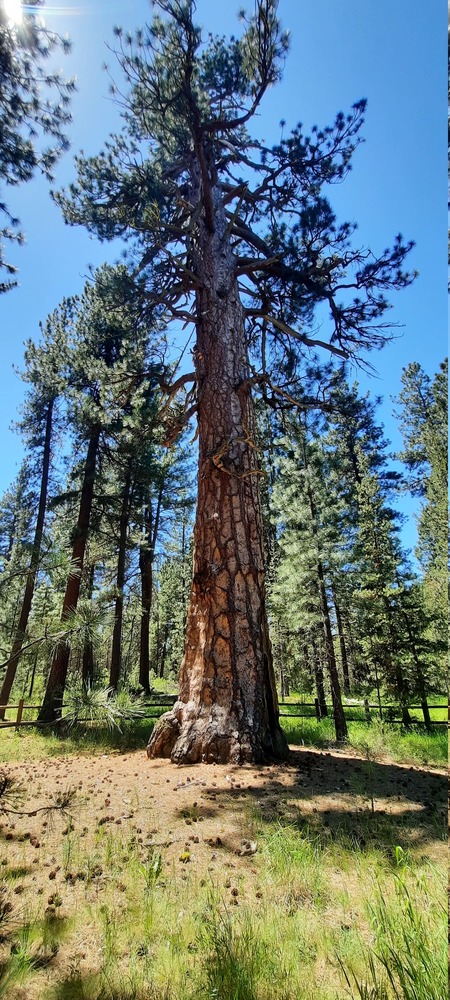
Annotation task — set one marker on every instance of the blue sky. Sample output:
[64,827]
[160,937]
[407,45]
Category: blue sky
[392,52]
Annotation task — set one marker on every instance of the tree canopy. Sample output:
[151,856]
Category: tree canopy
[34,109]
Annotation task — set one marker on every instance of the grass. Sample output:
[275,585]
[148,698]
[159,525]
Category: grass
[23,744]
[412,746]
[408,956]
[409,746]
[313,922]
[325,910]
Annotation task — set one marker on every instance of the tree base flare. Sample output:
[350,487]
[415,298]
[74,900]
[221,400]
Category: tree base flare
[189,738]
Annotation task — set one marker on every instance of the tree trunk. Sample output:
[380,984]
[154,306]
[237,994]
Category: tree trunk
[395,668]
[56,682]
[340,724]
[318,677]
[146,559]
[227,708]
[87,664]
[162,662]
[116,652]
[284,679]
[342,642]
[146,570]
[31,575]
[419,672]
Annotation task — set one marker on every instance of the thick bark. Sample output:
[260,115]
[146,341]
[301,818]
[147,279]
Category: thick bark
[116,652]
[227,708]
[56,682]
[34,562]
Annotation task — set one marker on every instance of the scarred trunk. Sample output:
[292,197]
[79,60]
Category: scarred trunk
[31,575]
[54,691]
[227,707]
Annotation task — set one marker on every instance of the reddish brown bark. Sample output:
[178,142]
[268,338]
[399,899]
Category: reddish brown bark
[227,708]
[56,682]
[31,575]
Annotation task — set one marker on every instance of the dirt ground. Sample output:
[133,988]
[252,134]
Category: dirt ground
[169,806]
[203,816]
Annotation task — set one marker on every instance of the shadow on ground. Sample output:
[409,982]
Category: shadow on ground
[363,803]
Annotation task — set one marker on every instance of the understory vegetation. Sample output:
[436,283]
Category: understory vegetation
[338,889]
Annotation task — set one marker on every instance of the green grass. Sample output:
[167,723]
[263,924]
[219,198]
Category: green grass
[315,916]
[33,743]
[323,925]
[410,746]
[414,746]
[408,957]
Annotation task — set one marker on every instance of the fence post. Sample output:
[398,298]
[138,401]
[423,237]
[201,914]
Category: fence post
[367,711]
[317,708]
[19,712]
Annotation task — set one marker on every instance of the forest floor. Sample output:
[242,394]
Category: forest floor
[113,897]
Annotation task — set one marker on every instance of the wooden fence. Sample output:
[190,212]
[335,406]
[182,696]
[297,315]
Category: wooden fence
[365,712]
[156,704]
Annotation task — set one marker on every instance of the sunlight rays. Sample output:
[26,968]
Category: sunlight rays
[13,10]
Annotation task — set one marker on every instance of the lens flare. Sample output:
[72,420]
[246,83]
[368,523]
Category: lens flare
[13,10]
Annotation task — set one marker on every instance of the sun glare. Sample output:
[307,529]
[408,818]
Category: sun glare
[13,10]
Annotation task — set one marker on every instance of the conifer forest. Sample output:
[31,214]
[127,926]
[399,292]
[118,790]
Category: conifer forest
[211,611]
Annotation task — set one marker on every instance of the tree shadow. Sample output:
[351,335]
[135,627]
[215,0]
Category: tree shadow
[76,987]
[361,803]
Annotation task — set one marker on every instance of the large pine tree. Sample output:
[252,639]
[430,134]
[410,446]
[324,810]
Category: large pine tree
[239,239]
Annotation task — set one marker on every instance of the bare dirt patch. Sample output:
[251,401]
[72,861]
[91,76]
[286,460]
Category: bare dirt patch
[211,805]
[204,820]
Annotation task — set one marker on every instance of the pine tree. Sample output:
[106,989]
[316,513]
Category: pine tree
[423,422]
[305,560]
[104,350]
[239,239]
[45,371]
[28,111]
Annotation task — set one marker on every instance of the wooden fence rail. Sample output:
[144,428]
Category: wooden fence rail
[295,711]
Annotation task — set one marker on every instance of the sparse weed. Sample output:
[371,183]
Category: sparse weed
[233,956]
[408,958]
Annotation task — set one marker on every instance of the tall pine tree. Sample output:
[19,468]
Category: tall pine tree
[239,239]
